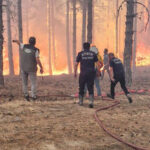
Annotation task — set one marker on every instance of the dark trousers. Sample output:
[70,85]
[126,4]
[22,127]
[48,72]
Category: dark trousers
[86,79]
[122,83]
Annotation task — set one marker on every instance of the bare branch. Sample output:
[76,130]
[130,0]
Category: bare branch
[137,3]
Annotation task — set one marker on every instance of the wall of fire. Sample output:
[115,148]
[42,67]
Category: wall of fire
[35,24]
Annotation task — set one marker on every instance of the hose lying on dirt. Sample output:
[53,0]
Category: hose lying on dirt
[100,123]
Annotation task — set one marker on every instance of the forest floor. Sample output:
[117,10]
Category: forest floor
[57,123]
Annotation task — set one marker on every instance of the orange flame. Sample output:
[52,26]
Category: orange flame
[143,55]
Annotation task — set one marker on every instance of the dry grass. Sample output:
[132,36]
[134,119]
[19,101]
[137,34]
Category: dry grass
[56,123]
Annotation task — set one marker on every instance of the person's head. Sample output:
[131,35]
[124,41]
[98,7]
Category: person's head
[105,51]
[94,49]
[111,55]
[86,46]
[32,41]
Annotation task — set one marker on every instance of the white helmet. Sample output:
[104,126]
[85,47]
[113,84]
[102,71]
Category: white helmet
[94,49]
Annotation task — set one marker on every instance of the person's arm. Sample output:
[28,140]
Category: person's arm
[78,59]
[21,45]
[75,69]
[37,55]
[40,64]
[17,42]
[111,65]
[111,74]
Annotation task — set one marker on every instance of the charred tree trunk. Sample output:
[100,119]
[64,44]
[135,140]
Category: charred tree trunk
[20,31]
[74,31]
[49,35]
[53,33]
[90,21]
[108,20]
[27,19]
[117,2]
[10,53]
[129,41]
[1,44]
[68,39]
[135,39]
[84,16]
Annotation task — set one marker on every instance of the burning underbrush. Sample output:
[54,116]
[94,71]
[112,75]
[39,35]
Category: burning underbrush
[143,55]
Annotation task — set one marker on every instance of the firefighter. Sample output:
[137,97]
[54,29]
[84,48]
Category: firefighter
[98,66]
[29,60]
[117,74]
[87,60]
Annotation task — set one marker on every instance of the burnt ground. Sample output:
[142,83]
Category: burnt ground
[57,123]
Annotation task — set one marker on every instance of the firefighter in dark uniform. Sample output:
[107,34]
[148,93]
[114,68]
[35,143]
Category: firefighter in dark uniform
[117,74]
[87,60]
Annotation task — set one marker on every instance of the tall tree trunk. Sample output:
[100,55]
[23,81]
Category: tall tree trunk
[10,53]
[117,2]
[27,19]
[135,39]
[74,31]
[84,16]
[119,35]
[49,35]
[1,44]
[90,21]
[20,30]
[108,21]
[129,41]
[53,33]
[68,38]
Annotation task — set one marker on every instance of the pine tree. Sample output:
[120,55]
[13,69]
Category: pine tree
[53,32]
[84,17]
[74,31]
[1,44]
[69,64]
[49,35]
[129,41]
[20,30]
[9,34]
[90,21]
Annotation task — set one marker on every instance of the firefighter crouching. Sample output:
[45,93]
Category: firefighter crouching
[117,74]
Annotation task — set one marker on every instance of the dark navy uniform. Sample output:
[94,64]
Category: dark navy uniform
[119,76]
[87,61]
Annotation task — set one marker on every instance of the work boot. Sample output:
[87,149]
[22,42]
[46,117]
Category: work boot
[110,96]
[129,98]
[80,100]
[27,97]
[91,100]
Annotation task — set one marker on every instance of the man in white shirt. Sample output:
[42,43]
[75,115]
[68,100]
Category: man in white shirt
[29,61]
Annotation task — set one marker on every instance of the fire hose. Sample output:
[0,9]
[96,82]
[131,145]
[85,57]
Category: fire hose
[116,103]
